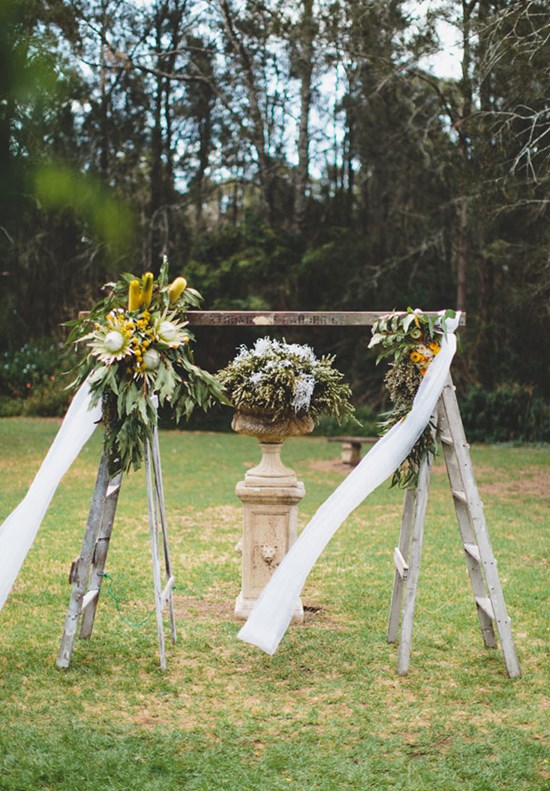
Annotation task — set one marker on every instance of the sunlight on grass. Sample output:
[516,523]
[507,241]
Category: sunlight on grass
[328,711]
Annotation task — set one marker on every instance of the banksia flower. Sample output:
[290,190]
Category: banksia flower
[176,288]
[134,295]
[147,289]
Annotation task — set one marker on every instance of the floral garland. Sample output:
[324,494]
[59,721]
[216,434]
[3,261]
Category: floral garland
[411,340]
[280,380]
[138,347]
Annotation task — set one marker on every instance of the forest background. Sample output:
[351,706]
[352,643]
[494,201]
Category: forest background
[283,156]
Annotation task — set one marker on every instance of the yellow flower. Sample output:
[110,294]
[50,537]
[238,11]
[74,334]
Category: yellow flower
[416,357]
[147,289]
[134,295]
[176,288]
[435,347]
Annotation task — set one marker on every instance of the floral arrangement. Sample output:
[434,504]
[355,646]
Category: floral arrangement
[138,347]
[411,340]
[281,380]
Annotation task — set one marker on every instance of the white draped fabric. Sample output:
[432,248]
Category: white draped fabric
[18,531]
[272,613]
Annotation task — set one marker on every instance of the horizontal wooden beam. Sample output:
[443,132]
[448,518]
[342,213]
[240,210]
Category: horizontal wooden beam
[292,318]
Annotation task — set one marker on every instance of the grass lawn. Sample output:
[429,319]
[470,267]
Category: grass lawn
[328,711]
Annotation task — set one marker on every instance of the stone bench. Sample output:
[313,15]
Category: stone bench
[351,448]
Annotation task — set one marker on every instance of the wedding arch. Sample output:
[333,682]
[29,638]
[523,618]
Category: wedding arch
[267,623]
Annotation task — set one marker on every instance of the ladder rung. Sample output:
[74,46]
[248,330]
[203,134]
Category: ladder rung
[446,440]
[89,598]
[485,604]
[401,565]
[458,494]
[166,592]
[473,551]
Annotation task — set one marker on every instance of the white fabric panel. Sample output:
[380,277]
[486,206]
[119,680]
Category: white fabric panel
[272,613]
[18,531]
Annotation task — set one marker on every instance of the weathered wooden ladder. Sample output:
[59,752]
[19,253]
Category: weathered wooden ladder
[88,569]
[482,566]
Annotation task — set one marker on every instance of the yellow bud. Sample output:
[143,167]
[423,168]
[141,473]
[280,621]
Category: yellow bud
[147,289]
[176,288]
[134,295]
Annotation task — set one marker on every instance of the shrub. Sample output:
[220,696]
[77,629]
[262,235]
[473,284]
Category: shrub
[369,425]
[32,380]
[510,412]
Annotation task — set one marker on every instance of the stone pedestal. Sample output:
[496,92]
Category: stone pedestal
[270,495]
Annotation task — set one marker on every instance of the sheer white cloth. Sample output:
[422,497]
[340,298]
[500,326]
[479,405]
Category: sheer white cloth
[272,613]
[18,531]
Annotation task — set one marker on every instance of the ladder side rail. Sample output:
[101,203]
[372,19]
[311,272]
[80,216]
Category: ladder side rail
[153,535]
[100,554]
[417,536]
[466,528]
[81,569]
[399,580]
[159,490]
[475,506]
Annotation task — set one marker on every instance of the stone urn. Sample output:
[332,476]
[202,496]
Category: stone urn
[270,494]
[271,433]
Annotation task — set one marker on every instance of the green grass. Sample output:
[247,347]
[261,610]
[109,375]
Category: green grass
[328,711]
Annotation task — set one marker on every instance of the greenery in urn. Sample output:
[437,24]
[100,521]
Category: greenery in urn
[138,347]
[411,340]
[280,380]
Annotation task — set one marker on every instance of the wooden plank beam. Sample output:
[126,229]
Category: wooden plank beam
[284,318]
[276,318]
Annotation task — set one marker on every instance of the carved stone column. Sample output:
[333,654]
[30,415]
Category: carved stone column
[270,494]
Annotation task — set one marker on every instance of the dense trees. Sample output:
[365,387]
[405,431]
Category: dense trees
[284,155]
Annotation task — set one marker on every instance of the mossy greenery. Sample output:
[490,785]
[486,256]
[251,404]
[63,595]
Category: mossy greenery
[280,379]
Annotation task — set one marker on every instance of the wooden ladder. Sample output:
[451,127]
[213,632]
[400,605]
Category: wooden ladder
[87,571]
[481,563]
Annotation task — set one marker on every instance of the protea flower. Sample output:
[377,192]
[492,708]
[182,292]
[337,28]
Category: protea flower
[169,331]
[151,359]
[110,345]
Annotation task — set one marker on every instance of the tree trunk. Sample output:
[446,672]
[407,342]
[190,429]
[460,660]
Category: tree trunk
[306,71]
[461,251]
[258,136]
[104,106]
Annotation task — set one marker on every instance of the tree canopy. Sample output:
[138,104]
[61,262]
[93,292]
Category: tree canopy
[282,156]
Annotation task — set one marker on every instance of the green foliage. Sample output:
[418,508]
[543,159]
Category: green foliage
[21,370]
[138,350]
[58,187]
[410,340]
[33,380]
[392,186]
[279,380]
[364,423]
[511,412]
[249,265]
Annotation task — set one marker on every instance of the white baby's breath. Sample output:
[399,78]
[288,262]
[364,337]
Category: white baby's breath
[303,390]
[282,379]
